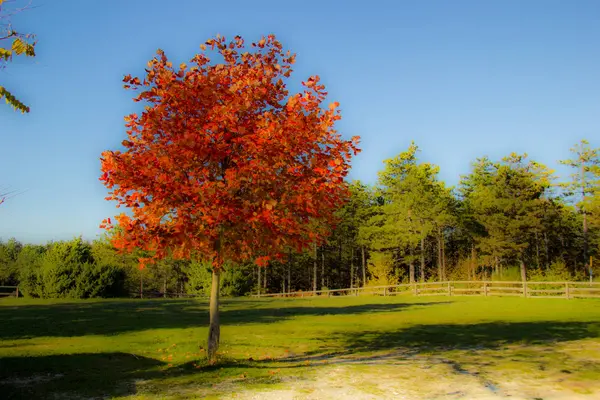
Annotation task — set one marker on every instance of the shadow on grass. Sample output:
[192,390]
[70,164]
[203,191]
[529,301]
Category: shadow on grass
[119,374]
[81,375]
[108,375]
[113,317]
[477,336]
[439,338]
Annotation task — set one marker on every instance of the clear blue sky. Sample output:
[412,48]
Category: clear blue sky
[461,78]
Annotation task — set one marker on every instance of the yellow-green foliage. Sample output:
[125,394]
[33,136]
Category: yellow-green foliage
[19,46]
[382,270]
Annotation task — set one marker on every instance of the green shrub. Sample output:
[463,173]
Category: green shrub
[68,270]
[557,272]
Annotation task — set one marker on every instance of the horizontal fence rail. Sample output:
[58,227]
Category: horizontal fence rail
[9,291]
[566,290]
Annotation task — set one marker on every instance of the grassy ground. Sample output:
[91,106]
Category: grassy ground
[377,346]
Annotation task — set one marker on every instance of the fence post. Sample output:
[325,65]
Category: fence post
[485,289]
[567,294]
[525,289]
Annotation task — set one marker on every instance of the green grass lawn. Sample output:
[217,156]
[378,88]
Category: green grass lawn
[153,348]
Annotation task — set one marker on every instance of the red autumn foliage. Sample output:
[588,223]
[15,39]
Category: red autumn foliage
[223,164]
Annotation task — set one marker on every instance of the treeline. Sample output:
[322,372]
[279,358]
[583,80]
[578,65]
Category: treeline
[508,219]
[80,269]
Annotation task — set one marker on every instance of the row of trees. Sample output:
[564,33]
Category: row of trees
[505,213]
[80,269]
[507,219]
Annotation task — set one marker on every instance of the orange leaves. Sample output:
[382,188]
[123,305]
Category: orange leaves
[262,261]
[311,81]
[106,224]
[219,151]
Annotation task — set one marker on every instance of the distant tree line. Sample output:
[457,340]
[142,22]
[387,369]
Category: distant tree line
[507,219]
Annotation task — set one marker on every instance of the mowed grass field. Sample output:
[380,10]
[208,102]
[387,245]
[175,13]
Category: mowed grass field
[343,347]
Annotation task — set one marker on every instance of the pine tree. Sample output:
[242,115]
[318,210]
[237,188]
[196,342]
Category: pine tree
[584,184]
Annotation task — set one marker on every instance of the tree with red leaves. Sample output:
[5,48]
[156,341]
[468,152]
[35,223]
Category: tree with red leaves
[223,165]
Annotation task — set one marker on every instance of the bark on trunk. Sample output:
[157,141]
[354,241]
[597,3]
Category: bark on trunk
[289,274]
[283,273]
[440,274]
[444,259]
[364,268]
[585,226]
[141,285]
[265,282]
[537,249]
[165,286]
[340,269]
[472,263]
[352,268]
[322,269]
[498,271]
[411,267]
[259,280]
[422,259]
[214,328]
[315,269]
[546,251]
[523,271]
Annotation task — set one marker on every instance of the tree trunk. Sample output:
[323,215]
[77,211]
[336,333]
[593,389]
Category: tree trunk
[411,267]
[422,259]
[523,271]
[259,280]
[537,249]
[440,277]
[340,266]
[289,274]
[497,266]
[444,259]
[322,268]
[352,268]
[165,286]
[546,250]
[141,285]
[583,210]
[265,282]
[364,268]
[315,269]
[214,328]
[472,263]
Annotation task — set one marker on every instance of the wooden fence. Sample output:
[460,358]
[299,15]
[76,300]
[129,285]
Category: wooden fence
[566,290]
[9,291]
